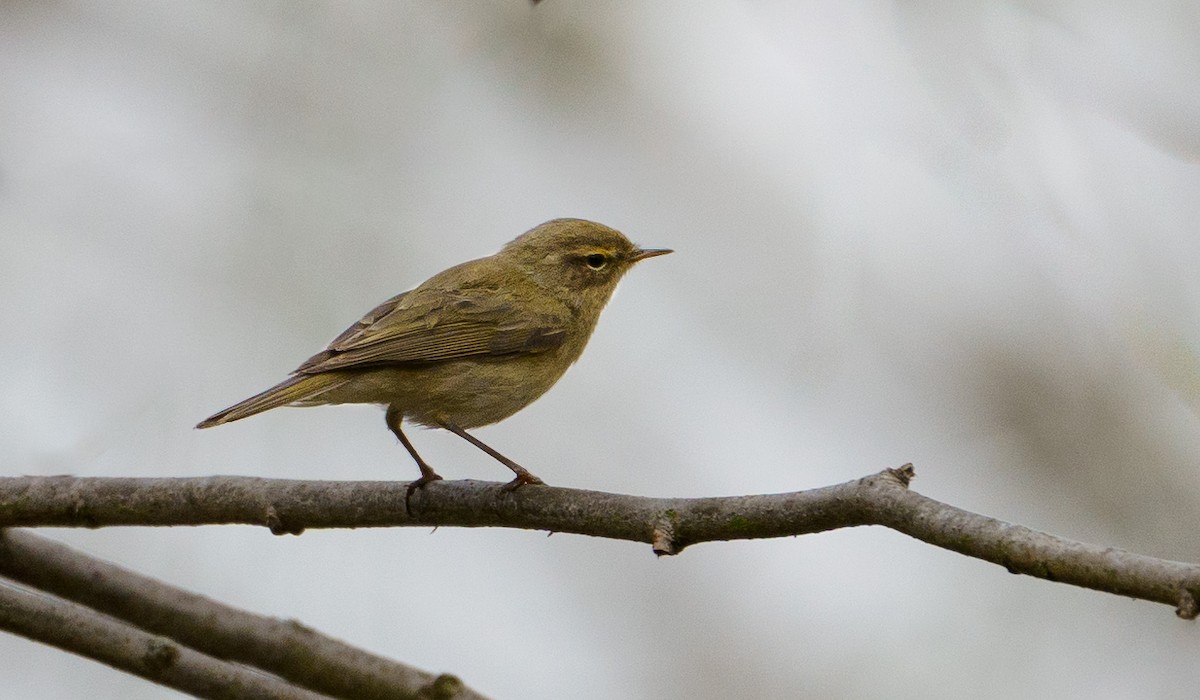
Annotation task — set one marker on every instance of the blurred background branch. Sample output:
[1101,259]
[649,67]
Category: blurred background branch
[186,641]
[668,524]
[81,630]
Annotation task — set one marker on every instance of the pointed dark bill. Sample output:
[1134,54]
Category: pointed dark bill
[644,253]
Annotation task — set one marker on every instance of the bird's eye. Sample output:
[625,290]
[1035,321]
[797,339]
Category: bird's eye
[596,261]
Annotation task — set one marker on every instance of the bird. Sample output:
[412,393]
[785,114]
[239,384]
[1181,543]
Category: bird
[471,345]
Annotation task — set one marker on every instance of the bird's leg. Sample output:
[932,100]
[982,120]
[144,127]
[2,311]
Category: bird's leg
[523,475]
[394,419]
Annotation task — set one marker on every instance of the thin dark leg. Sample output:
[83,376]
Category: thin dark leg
[394,419]
[523,475]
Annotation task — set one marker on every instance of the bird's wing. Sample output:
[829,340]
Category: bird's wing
[435,325]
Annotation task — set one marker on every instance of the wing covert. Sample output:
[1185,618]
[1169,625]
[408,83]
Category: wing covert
[436,325]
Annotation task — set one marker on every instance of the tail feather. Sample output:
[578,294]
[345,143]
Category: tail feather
[298,388]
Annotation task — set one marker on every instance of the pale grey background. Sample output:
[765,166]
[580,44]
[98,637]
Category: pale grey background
[959,234]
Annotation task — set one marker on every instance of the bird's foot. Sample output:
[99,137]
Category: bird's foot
[523,478]
[426,478]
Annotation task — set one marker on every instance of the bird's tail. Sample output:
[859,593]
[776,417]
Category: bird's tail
[295,389]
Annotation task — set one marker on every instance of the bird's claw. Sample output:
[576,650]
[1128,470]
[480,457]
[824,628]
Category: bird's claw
[522,479]
[422,481]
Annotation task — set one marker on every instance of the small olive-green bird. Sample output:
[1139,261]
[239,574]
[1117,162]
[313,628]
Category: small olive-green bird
[471,345]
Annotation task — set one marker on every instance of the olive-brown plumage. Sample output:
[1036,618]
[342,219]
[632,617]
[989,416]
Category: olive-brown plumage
[471,345]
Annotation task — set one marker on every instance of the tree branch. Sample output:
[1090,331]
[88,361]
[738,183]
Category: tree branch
[668,524]
[84,631]
[284,648]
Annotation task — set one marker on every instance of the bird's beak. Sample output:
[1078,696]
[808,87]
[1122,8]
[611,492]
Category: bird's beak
[643,253]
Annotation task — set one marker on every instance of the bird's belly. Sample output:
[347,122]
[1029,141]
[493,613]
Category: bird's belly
[469,393]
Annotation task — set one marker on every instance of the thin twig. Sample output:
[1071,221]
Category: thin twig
[284,648]
[84,631]
[669,524]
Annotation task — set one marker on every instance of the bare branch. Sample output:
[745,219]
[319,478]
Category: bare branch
[668,524]
[284,648]
[84,631]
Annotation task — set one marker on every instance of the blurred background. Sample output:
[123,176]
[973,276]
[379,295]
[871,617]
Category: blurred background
[962,235]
